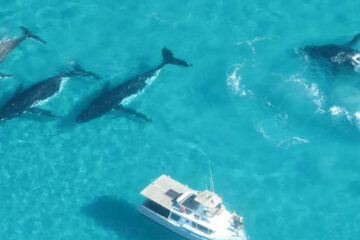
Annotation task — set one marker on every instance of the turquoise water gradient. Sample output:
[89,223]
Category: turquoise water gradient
[281,133]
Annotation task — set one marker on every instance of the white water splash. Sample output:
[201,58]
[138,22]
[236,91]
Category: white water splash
[312,89]
[233,81]
[260,129]
[342,111]
[338,110]
[339,58]
[251,42]
[353,118]
[290,141]
[356,62]
[148,82]
[357,119]
[286,142]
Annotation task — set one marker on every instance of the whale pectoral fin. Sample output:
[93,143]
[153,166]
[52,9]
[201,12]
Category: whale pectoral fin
[353,41]
[3,75]
[132,112]
[43,112]
[78,70]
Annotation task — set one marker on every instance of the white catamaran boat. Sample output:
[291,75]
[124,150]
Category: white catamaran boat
[192,214]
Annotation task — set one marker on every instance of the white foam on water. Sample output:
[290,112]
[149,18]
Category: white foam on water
[356,58]
[356,62]
[357,119]
[353,118]
[233,81]
[335,110]
[260,129]
[314,91]
[251,42]
[148,82]
[340,58]
[294,140]
[338,110]
[300,140]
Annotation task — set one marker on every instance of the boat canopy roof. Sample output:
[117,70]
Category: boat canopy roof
[209,200]
[164,191]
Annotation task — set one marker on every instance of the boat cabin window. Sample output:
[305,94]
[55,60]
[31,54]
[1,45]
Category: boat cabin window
[174,217]
[203,229]
[190,203]
[153,206]
[193,224]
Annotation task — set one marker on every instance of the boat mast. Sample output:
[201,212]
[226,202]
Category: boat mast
[212,187]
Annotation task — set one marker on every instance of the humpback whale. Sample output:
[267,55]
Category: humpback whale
[337,55]
[27,100]
[115,98]
[7,46]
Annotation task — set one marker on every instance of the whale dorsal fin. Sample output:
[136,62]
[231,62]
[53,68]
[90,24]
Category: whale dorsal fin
[353,41]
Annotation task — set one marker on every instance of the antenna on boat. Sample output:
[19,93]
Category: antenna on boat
[212,187]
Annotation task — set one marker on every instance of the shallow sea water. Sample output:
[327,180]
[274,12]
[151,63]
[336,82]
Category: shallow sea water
[282,134]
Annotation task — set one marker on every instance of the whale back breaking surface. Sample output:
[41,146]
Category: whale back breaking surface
[29,97]
[337,54]
[126,91]
[122,94]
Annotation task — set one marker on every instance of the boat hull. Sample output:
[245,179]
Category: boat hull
[171,226]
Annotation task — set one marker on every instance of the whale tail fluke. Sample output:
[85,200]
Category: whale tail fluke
[353,41]
[79,71]
[168,58]
[28,34]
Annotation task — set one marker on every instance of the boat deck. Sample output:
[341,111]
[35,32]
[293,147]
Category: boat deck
[164,191]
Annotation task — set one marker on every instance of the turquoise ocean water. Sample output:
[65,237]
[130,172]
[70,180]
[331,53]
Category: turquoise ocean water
[281,133]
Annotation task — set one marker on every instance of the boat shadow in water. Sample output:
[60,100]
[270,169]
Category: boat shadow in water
[123,218]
